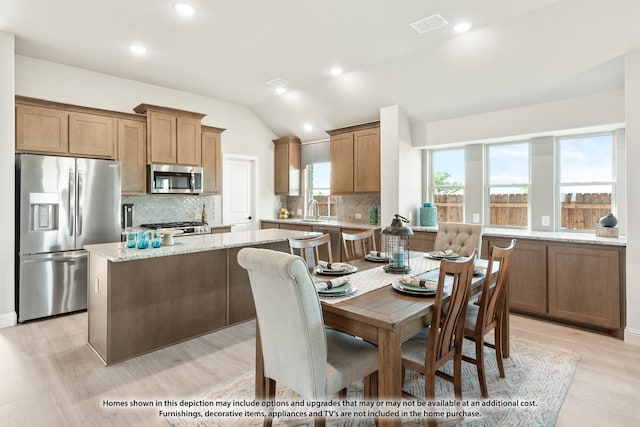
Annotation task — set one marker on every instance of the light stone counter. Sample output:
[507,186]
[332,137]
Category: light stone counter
[327,223]
[117,252]
[568,237]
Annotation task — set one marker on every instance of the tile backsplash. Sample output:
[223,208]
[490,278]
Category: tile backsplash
[171,207]
[347,206]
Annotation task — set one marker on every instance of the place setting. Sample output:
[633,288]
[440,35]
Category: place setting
[376,256]
[334,268]
[338,287]
[415,286]
[440,255]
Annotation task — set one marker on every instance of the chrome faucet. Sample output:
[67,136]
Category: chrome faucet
[317,208]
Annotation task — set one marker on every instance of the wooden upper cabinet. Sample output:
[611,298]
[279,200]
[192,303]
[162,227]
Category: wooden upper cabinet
[212,159]
[40,129]
[189,142]
[341,147]
[132,154]
[91,135]
[173,136]
[287,166]
[355,159]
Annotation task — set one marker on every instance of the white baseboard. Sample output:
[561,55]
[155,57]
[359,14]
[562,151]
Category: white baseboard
[632,336]
[8,319]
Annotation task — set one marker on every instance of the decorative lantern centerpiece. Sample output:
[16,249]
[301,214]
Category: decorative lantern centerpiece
[396,246]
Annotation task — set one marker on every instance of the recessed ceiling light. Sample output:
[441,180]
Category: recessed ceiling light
[138,49]
[184,9]
[462,27]
[280,90]
[308,127]
[336,71]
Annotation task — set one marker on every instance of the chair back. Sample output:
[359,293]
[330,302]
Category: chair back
[312,250]
[357,245]
[492,299]
[461,238]
[447,322]
[290,322]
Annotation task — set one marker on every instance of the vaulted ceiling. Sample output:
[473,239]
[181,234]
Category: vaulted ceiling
[517,52]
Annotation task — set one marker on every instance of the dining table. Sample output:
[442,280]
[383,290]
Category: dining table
[380,314]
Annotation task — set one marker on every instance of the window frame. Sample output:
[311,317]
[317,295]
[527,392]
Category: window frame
[558,174]
[488,186]
[433,187]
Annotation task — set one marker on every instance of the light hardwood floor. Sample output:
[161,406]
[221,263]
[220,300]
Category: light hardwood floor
[49,376]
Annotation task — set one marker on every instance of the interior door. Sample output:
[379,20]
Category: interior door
[239,192]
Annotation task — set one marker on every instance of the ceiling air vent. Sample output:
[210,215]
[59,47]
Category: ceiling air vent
[277,82]
[429,23]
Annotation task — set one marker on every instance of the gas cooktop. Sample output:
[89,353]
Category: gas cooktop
[187,227]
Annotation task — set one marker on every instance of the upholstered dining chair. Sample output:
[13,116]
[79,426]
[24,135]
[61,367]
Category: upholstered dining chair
[297,351]
[487,314]
[311,250]
[461,238]
[428,351]
[357,245]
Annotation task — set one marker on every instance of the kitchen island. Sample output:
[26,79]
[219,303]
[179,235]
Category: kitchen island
[141,300]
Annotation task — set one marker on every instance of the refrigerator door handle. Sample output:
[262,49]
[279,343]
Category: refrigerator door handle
[80,201]
[72,200]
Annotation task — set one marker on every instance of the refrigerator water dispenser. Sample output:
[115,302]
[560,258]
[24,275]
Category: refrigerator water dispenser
[44,211]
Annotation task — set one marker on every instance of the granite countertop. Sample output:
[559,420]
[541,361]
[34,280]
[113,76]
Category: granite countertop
[543,235]
[327,223]
[117,252]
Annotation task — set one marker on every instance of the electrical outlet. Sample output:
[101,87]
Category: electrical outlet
[299,212]
[358,216]
[476,218]
[546,220]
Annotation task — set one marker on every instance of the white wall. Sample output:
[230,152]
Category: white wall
[593,110]
[245,133]
[400,167]
[7,177]
[632,107]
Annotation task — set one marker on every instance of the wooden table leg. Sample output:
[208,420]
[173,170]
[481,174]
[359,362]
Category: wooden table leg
[505,323]
[389,371]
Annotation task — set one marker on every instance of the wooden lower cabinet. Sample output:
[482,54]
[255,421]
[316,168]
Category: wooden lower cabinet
[268,224]
[422,241]
[584,285]
[296,227]
[528,275]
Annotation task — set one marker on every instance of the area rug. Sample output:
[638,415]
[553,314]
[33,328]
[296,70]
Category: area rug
[537,379]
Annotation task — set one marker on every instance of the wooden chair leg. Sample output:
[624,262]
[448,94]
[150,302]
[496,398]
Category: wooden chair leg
[371,386]
[430,393]
[457,374]
[270,386]
[319,421]
[482,379]
[499,355]
[342,394]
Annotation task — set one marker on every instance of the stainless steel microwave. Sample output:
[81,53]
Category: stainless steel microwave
[175,179]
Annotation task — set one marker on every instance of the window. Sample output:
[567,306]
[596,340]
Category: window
[508,178]
[319,188]
[447,181]
[586,179]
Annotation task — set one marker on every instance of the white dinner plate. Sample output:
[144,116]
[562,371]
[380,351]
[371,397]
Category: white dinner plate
[374,258]
[410,291]
[324,272]
[338,292]
[435,255]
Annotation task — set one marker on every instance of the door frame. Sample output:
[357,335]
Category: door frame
[253,160]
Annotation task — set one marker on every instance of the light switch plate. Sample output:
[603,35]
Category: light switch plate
[358,216]
[299,212]
[546,220]
[476,218]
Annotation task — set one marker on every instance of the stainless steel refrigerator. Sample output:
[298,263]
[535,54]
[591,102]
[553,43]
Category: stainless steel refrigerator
[62,204]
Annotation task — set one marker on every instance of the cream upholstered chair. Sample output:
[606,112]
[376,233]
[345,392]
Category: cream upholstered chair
[428,351]
[487,315]
[357,245]
[461,238]
[312,250]
[297,351]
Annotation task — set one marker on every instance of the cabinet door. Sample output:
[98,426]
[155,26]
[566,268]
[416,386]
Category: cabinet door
[281,162]
[212,162]
[91,135]
[189,142]
[41,129]
[161,137]
[132,154]
[342,163]
[527,276]
[422,241]
[584,285]
[366,160]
